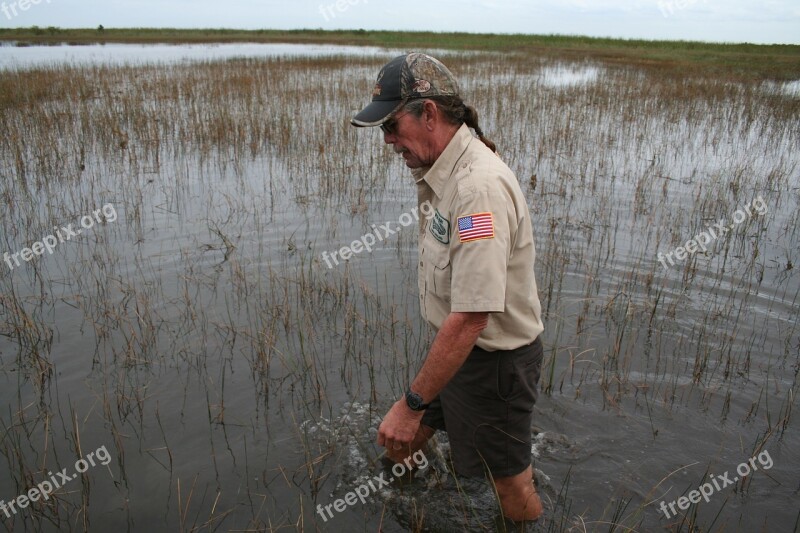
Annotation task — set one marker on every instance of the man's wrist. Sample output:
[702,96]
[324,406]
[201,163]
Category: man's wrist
[415,402]
[408,413]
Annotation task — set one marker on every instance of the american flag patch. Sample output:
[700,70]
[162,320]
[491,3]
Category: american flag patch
[474,227]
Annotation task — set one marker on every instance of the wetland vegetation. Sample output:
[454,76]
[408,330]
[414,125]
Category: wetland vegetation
[237,381]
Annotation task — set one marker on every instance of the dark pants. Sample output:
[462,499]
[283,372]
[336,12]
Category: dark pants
[487,411]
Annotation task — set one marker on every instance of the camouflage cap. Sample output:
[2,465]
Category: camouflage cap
[409,76]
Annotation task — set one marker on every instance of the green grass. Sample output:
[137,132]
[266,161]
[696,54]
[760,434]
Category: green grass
[741,61]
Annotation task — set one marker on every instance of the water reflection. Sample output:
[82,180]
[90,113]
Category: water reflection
[117,54]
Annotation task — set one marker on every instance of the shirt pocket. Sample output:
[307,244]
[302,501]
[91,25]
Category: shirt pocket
[440,272]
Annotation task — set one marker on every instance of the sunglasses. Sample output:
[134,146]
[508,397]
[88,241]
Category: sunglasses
[390,126]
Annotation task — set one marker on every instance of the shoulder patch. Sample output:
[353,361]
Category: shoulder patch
[476,227]
[440,228]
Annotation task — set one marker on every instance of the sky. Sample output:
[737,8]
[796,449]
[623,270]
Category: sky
[755,21]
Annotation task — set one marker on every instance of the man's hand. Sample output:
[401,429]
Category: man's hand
[399,427]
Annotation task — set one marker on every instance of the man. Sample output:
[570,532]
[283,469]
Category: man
[476,283]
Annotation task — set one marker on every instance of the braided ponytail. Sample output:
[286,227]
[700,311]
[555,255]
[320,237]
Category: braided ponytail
[471,120]
[456,112]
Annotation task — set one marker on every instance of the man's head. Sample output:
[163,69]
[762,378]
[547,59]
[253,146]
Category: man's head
[416,103]
[407,77]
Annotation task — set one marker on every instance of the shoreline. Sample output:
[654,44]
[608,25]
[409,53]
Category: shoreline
[740,61]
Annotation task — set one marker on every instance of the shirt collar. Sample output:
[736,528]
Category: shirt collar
[436,175]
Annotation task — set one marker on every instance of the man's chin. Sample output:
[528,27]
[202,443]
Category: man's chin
[412,163]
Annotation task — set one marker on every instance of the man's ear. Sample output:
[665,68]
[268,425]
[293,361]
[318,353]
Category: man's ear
[430,113]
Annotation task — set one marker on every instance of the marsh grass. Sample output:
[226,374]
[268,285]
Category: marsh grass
[200,335]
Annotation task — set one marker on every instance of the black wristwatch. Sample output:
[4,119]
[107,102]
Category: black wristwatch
[414,401]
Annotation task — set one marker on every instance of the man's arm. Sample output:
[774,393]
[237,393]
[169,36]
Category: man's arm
[449,350]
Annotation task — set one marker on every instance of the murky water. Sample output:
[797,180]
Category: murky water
[117,54]
[237,381]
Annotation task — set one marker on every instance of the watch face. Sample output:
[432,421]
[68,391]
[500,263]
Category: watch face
[414,401]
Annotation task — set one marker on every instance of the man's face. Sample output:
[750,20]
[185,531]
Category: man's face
[409,136]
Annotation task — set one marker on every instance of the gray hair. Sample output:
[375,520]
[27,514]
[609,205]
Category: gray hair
[455,111]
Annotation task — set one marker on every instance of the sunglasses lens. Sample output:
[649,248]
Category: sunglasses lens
[390,126]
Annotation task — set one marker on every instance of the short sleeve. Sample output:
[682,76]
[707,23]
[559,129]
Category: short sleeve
[479,252]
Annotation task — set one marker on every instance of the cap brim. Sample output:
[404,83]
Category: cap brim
[375,113]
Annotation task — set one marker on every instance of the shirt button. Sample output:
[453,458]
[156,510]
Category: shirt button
[420,263]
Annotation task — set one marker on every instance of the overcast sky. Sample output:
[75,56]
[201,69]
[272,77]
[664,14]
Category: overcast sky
[757,21]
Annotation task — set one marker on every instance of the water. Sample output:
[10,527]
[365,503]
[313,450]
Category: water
[238,382]
[116,54]
[787,88]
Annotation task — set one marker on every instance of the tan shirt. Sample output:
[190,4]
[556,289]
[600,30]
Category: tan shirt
[476,252]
